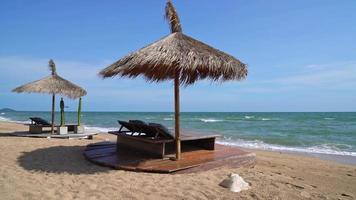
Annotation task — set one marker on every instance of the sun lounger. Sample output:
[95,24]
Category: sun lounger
[157,140]
[130,127]
[38,124]
[39,121]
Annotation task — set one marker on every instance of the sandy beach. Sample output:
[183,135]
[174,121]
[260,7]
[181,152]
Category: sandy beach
[32,168]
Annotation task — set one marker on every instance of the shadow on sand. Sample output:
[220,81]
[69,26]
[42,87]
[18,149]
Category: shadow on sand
[11,133]
[59,159]
[14,133]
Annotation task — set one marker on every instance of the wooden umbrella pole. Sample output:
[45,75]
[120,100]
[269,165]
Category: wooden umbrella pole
[53,102]
[177,114]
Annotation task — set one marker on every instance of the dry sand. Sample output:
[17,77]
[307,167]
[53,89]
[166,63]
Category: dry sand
[32,168]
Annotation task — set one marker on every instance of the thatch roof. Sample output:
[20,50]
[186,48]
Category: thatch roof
[178,53]
[53,84]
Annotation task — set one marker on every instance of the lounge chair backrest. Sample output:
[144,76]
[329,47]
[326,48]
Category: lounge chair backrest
[153,130]
[137,126]
[137,122]
[40,121]
[129,126]
[148,130]
[162,130]
[142,127]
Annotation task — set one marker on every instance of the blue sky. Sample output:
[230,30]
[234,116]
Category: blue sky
[301,54]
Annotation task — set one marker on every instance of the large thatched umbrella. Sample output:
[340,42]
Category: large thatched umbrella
[53,84]
[179,57]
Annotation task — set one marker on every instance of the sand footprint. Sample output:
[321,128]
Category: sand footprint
[349,175]
[314,186]
[279,173]
[347,196]
[295,186]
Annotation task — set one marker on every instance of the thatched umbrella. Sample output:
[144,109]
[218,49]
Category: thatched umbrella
[53,84]
[179,57]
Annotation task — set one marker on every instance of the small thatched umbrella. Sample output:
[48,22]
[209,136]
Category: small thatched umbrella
[53,84]
[179,57]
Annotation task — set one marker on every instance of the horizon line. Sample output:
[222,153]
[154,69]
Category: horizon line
[194,111]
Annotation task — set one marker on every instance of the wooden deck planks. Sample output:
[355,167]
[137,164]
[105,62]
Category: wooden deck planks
[48,135]
[107,154]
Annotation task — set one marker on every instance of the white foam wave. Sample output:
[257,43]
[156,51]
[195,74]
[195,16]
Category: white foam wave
[2,113]
[329,118]
[330,149]
[23,122]
[211,120]
[4,119]
[266,119]
[249,117]
[168,119]
[96,129]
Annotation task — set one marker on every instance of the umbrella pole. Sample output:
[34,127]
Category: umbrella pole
[53,102]
[177,113]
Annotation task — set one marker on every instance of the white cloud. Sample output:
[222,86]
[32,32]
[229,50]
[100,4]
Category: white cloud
[333,76]
[337,75]
[35,68]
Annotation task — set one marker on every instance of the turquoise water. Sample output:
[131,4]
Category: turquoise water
[329,133]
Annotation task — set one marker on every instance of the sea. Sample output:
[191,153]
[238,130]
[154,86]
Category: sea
[329,133]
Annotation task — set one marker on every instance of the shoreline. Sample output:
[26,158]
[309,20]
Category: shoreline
[263,132]
[342,159]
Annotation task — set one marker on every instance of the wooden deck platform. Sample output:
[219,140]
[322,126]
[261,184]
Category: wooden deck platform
[49,135]
[193,160]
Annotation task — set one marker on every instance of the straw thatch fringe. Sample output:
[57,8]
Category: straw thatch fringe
[192,59]
[172,17]
[53,84]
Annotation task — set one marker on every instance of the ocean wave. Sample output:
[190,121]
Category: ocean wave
[168,119]
[265,119]
[249,117]
[269,119]
[329,118]
[95,129]
[211,120]
[245,118]
[2,113]
[336,147]
[5,119]
[253,118]
[330,149]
